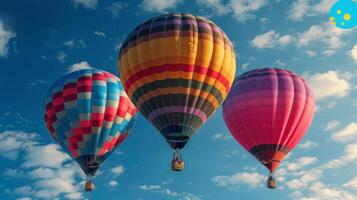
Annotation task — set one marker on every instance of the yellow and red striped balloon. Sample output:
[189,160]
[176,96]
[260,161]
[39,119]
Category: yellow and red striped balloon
[177,69]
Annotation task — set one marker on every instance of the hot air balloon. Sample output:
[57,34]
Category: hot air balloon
[268,111]
[177,69]
[89,114]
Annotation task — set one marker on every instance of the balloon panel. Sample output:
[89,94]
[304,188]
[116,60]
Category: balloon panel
[88,113]
[177,69]
[268,111]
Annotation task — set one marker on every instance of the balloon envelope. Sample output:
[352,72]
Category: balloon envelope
[177,69]
[89,114]
[268,111]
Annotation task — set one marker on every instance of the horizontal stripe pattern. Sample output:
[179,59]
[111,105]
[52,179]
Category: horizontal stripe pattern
[268,111]
[177,69]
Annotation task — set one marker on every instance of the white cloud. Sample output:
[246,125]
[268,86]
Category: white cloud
[301,163]
[332,125]
[221,136]
[319,191]
[39,156]
[75,43]
[113,183]
[337,86]
[150,187]
[350,155]
[307,8]
[304,178]
[118,170]
[346,134]
[79,66]
[307,145]
[351,183]
[158,5]
[24,198]
[311,54]
[325,34]
[216,5]
[354,52]
[271,39]
[47,169]
[252,179]
[24,190]
[5,37]
[99,33]
[13,142]
[116,7]
[61,56]
[90,4]
[243,9]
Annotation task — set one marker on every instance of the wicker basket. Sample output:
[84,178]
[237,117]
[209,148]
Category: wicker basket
[177,165]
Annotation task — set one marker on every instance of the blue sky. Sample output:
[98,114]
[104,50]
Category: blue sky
[41,40]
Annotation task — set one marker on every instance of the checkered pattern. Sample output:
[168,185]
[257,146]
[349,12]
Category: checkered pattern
[88,113]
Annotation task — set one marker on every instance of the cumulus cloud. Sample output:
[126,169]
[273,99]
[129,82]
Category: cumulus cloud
[215,5]
[79,66]
[243,9]
[307,145]
[353,52]
[271,40]
[5,37]
[158,5]
[303,179]
[251,179]
[14,142]
[113,183]
[116,7]
[337,85]
[45,167]
[324,34]
[301,9]
[39,156]
[346,134]
[89,4]
[351,183]
[332,125]
[350,155]
[301,163]
[118,170]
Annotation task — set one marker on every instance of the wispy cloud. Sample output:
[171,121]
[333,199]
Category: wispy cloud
[5,36]
[116,7]
[99,33]
[89,4]
[353,53]
[61,56]
[301,9]
[332,125]
[307,145]
[243,9]
[159,5]
[346,134]
[251,179]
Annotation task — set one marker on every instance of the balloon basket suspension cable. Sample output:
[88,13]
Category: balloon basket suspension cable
[271,182]
[177,163]
[89,186]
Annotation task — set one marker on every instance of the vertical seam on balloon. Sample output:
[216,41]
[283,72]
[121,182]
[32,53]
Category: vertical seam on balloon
[196,103]
[159,123]
[101,135]
[283,128]
[291,134]
[302,114]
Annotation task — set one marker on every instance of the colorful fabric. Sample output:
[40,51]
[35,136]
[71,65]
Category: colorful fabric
[89,114]
[268,111]
[177,69]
